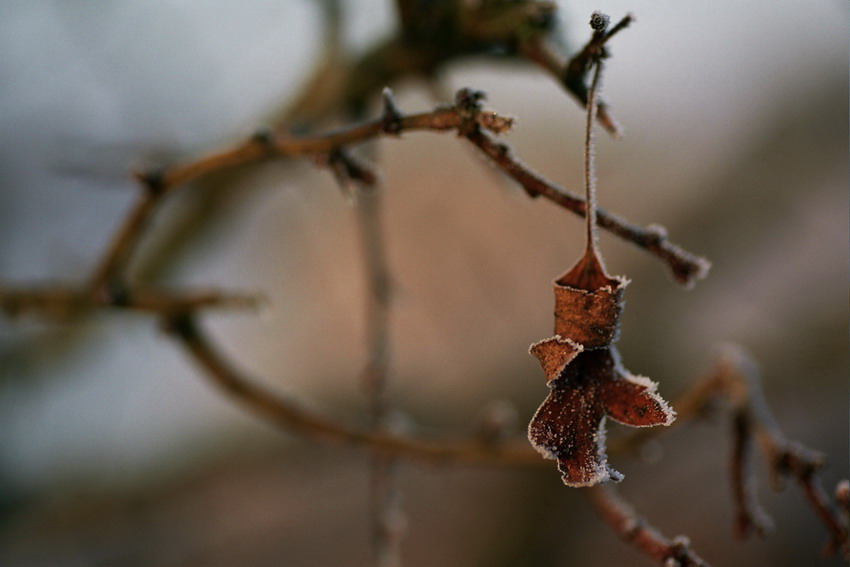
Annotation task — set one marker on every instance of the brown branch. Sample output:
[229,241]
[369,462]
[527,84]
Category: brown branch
[159,183]
[685,267]
[425,41]
[387,516]
[735,379]
[288,415]
[842,499]
[62,302]
[739,375]
[53,302]
[123,244]
[466,117]
[623,520]
[749,514]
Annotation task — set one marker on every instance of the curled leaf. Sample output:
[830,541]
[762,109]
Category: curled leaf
[554,354]
[587,381]
[590,318]
[589,387]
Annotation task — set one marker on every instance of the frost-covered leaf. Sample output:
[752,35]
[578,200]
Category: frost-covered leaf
[587,381]
[570,427]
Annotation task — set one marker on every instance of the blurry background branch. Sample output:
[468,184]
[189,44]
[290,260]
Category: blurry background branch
[624,521]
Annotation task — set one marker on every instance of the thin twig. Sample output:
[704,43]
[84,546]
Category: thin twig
[466,117]
[785,458]
[60,302]
[735,379]
[572,73]
[123,244]
[469,120]
[749,514]
[686,268]
[387,520]
[622,518]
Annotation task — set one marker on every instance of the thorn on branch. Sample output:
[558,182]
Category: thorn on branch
[494,122]
[680,554]
[391,117]
[622,24]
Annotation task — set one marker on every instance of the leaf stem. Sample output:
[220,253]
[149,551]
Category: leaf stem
[589,166]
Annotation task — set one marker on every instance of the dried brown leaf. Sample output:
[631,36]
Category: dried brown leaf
[586,379]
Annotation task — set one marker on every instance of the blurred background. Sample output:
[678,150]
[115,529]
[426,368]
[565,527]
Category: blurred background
[115,451]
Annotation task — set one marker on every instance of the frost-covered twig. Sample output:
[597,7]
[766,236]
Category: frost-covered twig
[685,267]
[466,117]
[737,378]
[623,520]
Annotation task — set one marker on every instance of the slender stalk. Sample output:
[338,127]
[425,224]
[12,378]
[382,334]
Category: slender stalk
[589,165]
[386,508]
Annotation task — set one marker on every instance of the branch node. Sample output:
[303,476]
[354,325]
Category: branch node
[469,100]
[391,116]
[468,105]
[265,138]
[180,324]
[347,169]
[116,294]
[494,122]
[153,180]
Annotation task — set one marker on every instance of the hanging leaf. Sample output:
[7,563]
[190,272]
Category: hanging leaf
[586,379]
[587,382]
